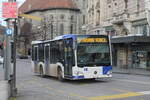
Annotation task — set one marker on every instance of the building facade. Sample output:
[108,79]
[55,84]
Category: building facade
[127,21]
[82,5]
[59,17]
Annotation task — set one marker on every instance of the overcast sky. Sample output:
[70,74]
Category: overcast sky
[1,19]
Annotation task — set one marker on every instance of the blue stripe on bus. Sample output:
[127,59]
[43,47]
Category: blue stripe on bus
[69,36]
[78,77]
[106,69]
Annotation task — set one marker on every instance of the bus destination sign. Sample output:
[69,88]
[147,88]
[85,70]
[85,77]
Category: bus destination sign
[93,40]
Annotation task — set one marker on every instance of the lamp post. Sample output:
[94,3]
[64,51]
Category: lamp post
[14,89]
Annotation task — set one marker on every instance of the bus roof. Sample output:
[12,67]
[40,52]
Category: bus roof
[36,42]
[65,36]
[71,36]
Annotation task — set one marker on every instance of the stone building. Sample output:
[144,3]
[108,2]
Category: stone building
[127,21]
[82,5]
[59,17]
[96,14]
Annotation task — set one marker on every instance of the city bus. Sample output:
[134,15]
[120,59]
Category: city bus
[73,57]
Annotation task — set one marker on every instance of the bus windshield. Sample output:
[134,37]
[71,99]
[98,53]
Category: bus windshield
[93,54]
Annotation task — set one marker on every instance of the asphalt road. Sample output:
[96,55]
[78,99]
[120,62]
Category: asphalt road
[120,87]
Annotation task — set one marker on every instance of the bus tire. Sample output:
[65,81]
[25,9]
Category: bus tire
[41,72]
[60,77]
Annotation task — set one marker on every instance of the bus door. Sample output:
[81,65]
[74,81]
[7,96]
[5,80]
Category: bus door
[35,58]
[47,58]
[68,57]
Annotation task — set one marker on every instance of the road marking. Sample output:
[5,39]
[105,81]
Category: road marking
[145,92]
[49,88]
[120,90]
[60,91]
[77,95]
[83,84]
[116,96]
[139,82]
[13,98]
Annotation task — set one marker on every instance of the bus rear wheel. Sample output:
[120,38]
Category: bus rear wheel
[60,77]
[41,72]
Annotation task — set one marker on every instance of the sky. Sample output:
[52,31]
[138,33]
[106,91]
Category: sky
[1,19]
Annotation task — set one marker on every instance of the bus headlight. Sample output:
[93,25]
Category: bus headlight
[109,72]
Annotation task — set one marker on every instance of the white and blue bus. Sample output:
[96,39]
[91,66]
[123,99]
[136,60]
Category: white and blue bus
[73,57]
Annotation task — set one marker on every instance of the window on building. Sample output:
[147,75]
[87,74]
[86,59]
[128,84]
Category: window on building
[51,17]
[71,29]
[83,19]
[62,17]
[142,29]
[72,18]
[98,32]
[62,29]
[98,17]
[51,30]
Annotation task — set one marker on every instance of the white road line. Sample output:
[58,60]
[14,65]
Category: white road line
[139,82]
[145,92]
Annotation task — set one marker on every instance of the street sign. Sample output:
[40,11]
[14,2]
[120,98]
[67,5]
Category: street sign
[9,10]
[9,31]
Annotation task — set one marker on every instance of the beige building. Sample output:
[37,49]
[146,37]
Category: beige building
[127,21]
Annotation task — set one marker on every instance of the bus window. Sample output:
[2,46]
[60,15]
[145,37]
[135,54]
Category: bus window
[32,53]
[54,51]
[35,54]
[47,52]
[41,52]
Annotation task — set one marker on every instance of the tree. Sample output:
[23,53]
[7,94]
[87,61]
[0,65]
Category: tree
[25,38]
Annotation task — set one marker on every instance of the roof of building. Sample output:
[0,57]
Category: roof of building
[40,5]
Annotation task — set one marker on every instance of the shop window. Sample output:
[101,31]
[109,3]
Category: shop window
[142,29]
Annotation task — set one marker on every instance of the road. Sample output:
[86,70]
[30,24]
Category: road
[120,87]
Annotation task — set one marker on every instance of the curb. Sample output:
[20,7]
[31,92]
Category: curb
[131,73]
[4,90]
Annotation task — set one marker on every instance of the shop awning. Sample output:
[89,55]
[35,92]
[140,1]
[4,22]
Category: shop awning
[130,39]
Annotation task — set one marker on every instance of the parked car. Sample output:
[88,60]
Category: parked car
[23,57]
[1,60]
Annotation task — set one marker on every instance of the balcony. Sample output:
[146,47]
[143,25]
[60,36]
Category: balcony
[119,19]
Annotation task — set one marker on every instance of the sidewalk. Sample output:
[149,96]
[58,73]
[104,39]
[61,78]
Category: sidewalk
[4,90]
[131,71]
